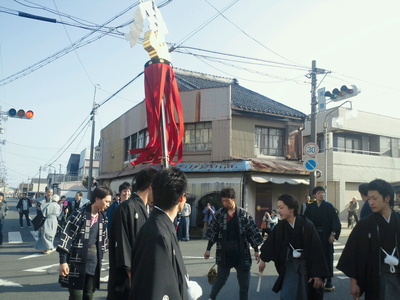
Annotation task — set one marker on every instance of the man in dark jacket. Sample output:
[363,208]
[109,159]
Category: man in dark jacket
[23,206]
[158,271]
[296,250]
[127,220]
[371,255]
[83,243]
[233,229]
[325,219]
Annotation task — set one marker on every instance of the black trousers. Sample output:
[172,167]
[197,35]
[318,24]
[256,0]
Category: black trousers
[21,215]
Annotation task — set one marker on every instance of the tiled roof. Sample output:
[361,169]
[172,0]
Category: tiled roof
[242,98]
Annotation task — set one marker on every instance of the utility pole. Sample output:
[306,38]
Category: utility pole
[314,104]
[90,175]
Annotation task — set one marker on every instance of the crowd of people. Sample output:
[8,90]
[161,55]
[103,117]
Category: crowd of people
[141,230]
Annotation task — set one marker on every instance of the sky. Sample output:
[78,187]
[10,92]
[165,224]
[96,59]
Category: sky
[270,45]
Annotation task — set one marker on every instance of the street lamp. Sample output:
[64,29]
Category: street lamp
[325,146]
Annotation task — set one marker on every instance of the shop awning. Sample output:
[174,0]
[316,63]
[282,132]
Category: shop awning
[280,179]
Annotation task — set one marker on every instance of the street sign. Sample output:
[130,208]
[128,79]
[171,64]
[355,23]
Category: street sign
[311,149]
[310,164]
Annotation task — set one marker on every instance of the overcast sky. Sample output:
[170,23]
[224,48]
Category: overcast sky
[356,40]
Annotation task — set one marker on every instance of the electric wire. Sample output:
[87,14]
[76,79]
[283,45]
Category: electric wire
[248,35]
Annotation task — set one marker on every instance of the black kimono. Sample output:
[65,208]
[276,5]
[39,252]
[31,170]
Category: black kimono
[74,243]
[127,220]
[362,257]
[303,236]
[158,271]
[326,221]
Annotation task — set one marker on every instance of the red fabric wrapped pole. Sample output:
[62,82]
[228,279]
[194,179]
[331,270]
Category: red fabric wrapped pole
[161,88]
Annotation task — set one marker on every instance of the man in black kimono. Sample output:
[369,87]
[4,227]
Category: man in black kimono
[158,271]
[296,250]
[371,255]
[126,222]
[326,221]
[83,243]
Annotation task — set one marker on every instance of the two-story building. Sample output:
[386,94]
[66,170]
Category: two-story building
[233,137]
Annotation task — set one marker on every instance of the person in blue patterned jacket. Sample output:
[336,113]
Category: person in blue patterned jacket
[233,229]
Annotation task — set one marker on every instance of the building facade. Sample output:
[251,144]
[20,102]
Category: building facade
[361,147]
[233,137]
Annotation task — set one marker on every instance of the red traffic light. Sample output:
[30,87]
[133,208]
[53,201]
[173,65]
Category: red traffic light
[29,114]
[20,113]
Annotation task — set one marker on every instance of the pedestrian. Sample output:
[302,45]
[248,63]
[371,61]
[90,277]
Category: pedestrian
[295,248]
[366,209]
[233,229]
[23,207]
[46,234]
[127,220]
[325,219]
[74,204]
[44,199]
[158,271]
[83,243]
[208,212]
[3,214]
[352,210]
[184,223]
[272,220]
[303,205]
[62,218]
[397,202]
[371,255]
[125,190]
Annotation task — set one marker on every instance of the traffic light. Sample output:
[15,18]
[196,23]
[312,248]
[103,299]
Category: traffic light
[344,93]
[13,113]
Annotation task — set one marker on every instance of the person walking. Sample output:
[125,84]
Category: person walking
[3,214]
[366,209]
[184,223]
[74,204]
[46,234]
[296,250]
[352,210]
[371,255]
[82,245]
[125,190]
[127,220]
[158,270]
[44,199]
[23,206]
[233,229]
[325,219]
[208,212]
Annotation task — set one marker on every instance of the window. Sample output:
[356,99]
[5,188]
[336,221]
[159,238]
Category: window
[269,141]
[135,141]
[198,137]
[349,143]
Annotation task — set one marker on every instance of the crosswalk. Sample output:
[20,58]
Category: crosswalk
[338,248]
[15,237]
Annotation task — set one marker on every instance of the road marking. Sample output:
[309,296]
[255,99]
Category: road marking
[35,235]
[14,237]
[343,277]
[104,279]
[41,269]
[195,257]
[30,256]
[9,283]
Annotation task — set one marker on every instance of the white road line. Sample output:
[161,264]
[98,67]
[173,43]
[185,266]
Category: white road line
[195,257]
[40,269]
[14,237]
[35,235]
[9,283]
[104,279]
[30,256]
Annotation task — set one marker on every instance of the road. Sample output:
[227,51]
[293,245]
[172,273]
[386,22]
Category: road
[26,273]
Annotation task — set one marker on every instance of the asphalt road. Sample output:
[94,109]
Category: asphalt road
[28,274]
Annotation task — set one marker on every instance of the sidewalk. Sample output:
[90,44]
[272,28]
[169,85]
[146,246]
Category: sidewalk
[345,231]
